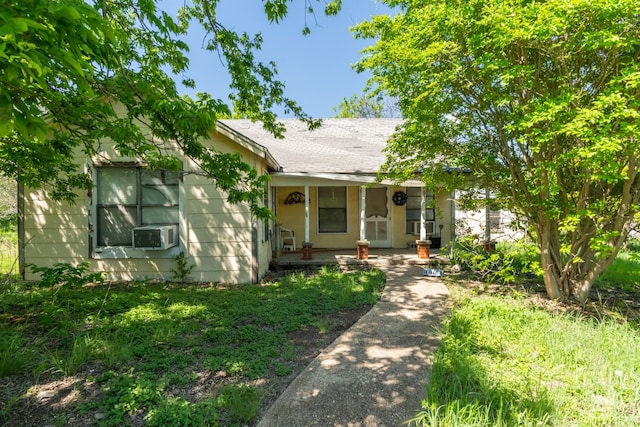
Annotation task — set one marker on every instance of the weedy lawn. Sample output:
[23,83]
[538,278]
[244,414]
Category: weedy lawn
[510,357]
[8,251]
[159,354]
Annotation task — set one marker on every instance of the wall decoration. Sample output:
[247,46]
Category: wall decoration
[399,198]
[294,198]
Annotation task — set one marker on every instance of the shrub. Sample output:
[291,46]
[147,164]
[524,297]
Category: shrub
[501,265]
[66,274]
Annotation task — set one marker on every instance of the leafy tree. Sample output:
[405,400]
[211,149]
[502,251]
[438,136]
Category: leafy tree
[74,74]
[368,105]
[539,99]
[8,201]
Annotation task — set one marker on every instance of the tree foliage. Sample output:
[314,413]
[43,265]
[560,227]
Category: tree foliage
[540,100]
[74,74]
[367,105]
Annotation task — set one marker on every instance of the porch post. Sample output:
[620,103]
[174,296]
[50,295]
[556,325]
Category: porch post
[307,246]
[363,244]
[423,215]
[363,206]
[488,244]
[306,213]
[423,245]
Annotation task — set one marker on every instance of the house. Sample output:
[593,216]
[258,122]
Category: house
[486,222]
[323,191]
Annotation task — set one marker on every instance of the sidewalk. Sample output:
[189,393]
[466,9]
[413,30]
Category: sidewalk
[374,374]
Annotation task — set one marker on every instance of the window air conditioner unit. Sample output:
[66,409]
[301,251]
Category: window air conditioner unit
[429,225]
[155,237]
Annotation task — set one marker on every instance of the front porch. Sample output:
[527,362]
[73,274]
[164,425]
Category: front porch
[344,257]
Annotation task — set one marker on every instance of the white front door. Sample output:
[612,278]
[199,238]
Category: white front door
[378,217]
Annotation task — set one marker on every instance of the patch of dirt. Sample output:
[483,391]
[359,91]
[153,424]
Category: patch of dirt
[50,401]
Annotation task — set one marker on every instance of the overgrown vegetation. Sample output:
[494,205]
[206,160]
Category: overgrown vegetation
[510,356]
[504,362]
[8,244]
[505,264]
[518,263]
[159,354]
[65,274]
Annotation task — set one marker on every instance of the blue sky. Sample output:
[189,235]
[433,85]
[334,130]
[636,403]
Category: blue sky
[316,68]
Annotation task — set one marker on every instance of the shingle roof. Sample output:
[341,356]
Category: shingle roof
[352,146]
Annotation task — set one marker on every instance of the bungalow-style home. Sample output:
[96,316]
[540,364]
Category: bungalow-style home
[323,191]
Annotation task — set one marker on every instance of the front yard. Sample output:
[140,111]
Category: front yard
[160,354]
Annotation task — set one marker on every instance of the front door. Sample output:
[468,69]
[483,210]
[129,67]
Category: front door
[378,217]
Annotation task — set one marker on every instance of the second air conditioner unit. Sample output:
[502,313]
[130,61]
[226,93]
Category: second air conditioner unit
[429,225]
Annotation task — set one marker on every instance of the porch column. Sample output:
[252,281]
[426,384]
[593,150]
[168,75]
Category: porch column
[423,245]
[423,215]
[488,244]
[307,246]
[363,244]
[306,213]
[363,207]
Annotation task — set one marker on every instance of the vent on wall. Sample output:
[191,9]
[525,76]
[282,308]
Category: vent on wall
[155,237]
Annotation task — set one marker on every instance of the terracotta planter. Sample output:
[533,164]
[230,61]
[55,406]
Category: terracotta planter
[363,249]
[307,251]
[424,247]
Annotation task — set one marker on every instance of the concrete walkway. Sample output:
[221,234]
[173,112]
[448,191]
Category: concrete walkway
[374,374]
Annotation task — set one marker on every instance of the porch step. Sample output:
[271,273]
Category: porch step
[320,258]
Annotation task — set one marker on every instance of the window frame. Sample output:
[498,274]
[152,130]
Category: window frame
[345,209]
[127,251]
[430,211]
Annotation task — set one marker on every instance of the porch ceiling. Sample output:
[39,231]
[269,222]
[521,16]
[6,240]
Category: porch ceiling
[280,179]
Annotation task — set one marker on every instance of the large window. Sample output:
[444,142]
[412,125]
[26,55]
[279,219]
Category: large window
[129,197]
[332,209]
[414,208]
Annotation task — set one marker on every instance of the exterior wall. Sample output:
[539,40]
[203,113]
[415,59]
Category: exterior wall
[505,227]
[222,241]
[443,217]
[292,216]
[218,235]
[54,232]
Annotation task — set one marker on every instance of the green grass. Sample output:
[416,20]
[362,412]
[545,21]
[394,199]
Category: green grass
[138,342]
[506,363]
[8,252]
[623,273]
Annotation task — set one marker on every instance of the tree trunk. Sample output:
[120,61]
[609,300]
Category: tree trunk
[552,280]
[572,276]
[549,243]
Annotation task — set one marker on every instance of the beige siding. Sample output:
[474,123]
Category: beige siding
[54,232]
[216,237]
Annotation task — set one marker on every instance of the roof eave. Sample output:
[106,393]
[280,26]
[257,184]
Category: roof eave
[249,144]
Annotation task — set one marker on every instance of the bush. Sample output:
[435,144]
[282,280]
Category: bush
[508,261]
[9,222]
[66,274]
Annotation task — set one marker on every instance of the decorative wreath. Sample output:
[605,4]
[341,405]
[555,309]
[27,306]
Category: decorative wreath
[399,198]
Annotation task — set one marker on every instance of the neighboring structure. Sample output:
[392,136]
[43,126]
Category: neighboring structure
[487,222]
[134,223]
